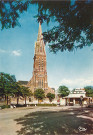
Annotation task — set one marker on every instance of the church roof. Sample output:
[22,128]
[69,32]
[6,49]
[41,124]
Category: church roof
[23,82]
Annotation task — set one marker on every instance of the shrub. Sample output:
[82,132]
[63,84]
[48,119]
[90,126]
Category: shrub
[5,106]
[46,105]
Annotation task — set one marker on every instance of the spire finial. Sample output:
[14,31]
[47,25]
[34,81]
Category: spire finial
[39,32]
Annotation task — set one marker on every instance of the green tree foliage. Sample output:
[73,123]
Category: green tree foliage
[25,92]
[50,96]
[17,91]
[2,84]
[89,91]
[7,85]
[73,90]
[74,22]
[10,12]
[63,91]
[39,94]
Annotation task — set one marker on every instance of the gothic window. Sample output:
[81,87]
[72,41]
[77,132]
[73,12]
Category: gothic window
[39,83]
[39,63]
[43,49]
[40,49]
[42,64]
[42,83]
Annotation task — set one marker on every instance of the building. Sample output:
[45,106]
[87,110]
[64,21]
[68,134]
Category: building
[23,83]
[39,77]
[75,97]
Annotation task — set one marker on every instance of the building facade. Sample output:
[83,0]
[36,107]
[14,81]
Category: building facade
[75,98]
[39,77]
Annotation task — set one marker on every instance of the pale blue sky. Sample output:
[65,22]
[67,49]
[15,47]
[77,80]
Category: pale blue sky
[73,69]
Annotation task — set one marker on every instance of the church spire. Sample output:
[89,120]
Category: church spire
[39,78]
[39,44]
[39,33]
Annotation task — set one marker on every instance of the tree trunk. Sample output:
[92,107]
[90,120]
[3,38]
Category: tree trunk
[39,101]
[5,97]
[25,100]
[17,100]
[7,100]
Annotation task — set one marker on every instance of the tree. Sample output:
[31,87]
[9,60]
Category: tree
[39,94]
[73,90]
[74,22]
[63,91]
[7,85]
[10,12]
[50,96]
[2,85]
[89,91]
[25,92]
[18,91]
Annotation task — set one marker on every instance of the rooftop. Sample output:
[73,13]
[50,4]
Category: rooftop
[23,82]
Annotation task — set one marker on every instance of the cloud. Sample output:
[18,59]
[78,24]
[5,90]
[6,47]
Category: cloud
[2,51]
[76,83]
[16,52]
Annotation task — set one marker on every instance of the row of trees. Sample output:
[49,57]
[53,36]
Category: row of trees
[10,88]
[62,92]
[40,95]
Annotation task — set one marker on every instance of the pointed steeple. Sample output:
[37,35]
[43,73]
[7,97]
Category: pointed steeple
[40,36]
[39,44]
[39,78]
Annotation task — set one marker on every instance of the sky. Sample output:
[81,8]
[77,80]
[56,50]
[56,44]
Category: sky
[72,69]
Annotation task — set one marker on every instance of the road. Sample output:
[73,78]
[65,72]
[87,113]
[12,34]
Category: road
[15,121]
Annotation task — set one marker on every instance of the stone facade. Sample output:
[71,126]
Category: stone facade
[39,77]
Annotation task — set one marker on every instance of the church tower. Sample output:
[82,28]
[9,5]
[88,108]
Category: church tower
[39,78]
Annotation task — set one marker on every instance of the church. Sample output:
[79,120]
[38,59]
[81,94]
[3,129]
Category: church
[39,76]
